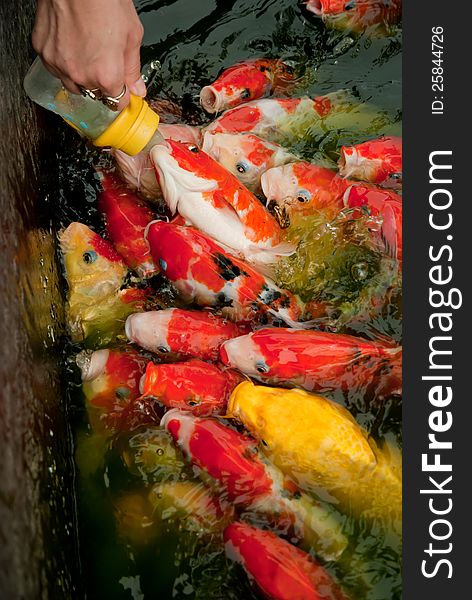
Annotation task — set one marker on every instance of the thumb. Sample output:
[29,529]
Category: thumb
[133,71]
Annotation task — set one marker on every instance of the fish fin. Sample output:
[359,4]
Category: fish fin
[268,270]
[388,232]
[264,259]
[146,229]
[283,249]
[290,322]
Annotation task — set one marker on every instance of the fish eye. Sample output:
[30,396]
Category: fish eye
[122,393]
[193,403]
[194,149]
[162,264]
[242,167]
[246,93]
[360,271]
[350,5]
[303,196]
[163,349]
[262,368]
[89,257]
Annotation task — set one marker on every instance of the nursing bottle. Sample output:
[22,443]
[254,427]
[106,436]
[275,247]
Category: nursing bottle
[131,130]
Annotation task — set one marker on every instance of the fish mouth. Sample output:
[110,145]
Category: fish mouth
[208,145]
[315,6]
[210,99]
[92,365]
[280,213]
[129,329]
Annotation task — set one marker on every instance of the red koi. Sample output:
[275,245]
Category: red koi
[126,220]
[384,204]
[224,454]
[195,386]
[228,459]
[110,382]
[280,570]
[315,360]
[187,333]
[245,81]
[203,272]
[378,161]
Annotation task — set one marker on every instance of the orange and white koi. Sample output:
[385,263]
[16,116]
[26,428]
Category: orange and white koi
[274,118]
[304,188]
[185,333]
[138,172]
[213,200]
[245,155]
[204,273]
[244,82]
[357,14]
[378,161]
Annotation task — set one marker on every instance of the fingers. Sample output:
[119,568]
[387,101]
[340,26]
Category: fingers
[133,64]
[101,56]
[111,82]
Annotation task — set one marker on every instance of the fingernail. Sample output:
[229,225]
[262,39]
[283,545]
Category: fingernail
[138,88]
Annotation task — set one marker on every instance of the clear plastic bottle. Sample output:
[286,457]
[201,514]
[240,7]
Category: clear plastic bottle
[131,130]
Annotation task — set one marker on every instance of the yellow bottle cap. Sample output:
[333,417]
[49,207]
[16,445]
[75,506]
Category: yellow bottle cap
[132,129]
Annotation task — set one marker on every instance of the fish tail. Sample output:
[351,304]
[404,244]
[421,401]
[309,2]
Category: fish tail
[320,526]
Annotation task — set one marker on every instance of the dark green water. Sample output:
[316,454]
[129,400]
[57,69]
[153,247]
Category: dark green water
[194,41]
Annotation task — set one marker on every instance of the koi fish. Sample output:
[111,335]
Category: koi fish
[357,14]
[213,200]
[315,360]
[303,188]
[317,443]
[110,384]
[280,570]
[186,333]
[246,156]
[126,219]
[196,386]
[150,455]
[274,118]
[378,161]
[134,519]
[227,459]
[204,273]
[190,506]
[110,378]
[179,132]
[244,82]
[95,273]
[383,204]
[138,171]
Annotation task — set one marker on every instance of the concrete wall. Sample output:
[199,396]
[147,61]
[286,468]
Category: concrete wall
[38,557]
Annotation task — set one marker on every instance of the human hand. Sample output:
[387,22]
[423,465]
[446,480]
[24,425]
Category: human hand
[92,44]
